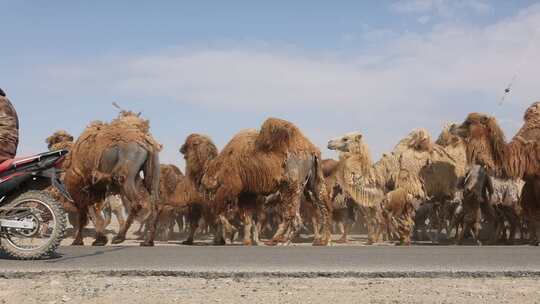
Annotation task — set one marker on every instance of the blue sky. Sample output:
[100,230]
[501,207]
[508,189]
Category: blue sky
[379,67]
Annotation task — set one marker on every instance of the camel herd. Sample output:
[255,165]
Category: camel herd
[469,184]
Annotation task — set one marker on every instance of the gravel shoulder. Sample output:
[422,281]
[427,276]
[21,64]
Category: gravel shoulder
[92,288]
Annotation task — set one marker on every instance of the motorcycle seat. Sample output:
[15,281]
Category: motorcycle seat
[5,165]
[16,162]
[10,163]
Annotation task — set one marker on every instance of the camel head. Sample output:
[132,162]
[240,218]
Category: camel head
[220,183]
[420,140]
[484,140]
[59,140]
[479,126]
[198,150]
[533,112]
[346,143]
[448,136]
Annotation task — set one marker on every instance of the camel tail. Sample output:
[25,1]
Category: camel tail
[151,175]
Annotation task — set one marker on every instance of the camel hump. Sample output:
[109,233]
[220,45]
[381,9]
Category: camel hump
[278,135]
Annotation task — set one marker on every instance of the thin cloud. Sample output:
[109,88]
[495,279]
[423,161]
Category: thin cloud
[442,8]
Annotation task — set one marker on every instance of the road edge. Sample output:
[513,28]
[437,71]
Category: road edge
[277,274]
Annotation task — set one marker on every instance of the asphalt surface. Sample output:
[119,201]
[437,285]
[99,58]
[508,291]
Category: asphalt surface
[379,260]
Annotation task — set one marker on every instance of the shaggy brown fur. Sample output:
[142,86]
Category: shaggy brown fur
[329,167]
[360,181]
[198,150]
[59,140]
[505,199]
[342,206]
[87,181]
[182,192]
[278,158]
[520,158]
[420,167]
[399,214]
[425,169]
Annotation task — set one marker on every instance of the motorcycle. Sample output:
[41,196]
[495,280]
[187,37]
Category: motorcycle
[32,222]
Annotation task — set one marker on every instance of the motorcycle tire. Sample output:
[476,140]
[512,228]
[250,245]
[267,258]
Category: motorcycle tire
[50,245]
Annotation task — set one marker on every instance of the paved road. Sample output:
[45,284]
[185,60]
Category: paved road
[376,259]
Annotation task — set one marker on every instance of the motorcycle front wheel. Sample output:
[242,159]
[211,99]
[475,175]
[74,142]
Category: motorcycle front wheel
[49,224]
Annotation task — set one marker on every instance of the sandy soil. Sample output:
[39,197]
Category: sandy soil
[93,288]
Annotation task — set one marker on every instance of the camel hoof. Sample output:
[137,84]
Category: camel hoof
[147,244]
[187,242]
[320,243]
[118,240]
[271,243]
[342,241]
[100,241]
[369,242]
[247,243]
[220,242]
[77,243]
[534,243]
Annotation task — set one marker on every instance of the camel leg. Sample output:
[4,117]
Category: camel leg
[151,224]
[291,202]
[99,222]
[247,220]
[514,224]
[219,239]
[282,228]
[255,231]
[170,229]
[374,225]
[320,199]
[107,216]
[139,230]
[121,236]
[82,220]
[226,230]
[533,232]
[194,218]
[316,227]
[465,227]
[476,233]
[500,232]
[343,232]
[119,217]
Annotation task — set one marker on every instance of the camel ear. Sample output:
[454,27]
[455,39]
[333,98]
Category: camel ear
[358,137]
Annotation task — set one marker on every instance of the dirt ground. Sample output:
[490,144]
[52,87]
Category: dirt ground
[93,288]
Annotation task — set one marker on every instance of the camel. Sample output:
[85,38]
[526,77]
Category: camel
[477,192]
[182,192]
[505,200]
[108,158]
[61,139]
[519,158]
[278,158]
[342,206]
[362,181]
[169,176]
[398,213]
[423,169]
